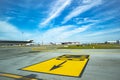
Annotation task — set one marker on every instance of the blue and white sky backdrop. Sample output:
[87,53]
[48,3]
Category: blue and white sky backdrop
[60,20]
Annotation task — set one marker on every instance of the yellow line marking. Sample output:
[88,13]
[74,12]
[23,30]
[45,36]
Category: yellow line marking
[10,75]
[16,76]
[68,65]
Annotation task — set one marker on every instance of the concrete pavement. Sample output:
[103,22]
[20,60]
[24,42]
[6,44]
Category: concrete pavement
[103,64]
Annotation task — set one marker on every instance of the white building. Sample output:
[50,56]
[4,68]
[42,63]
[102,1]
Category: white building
[113,42]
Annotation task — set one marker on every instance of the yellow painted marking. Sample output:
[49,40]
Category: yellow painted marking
[15,76]
[69,65]
[38,48]
[10,75]
[75,50]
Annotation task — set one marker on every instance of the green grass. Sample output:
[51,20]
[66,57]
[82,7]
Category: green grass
[92,46]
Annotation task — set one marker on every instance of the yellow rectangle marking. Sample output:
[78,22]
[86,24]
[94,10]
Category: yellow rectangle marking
[68,65]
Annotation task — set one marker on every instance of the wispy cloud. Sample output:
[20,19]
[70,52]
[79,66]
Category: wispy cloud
[107,13]
[62,33]
[8,30]
[54,33]
[80,9]
[69,33]
[56,10]
[85,20]
[104,32]
[11,32]
[87,1]
[99,18]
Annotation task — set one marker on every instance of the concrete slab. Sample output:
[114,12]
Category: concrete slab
[103,64]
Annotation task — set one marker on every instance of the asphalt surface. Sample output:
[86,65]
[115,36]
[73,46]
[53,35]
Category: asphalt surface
[104,64]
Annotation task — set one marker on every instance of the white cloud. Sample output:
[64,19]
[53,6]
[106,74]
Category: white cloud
[6,27]
[99,18]
[107,14]
[104,32]
[55,11]
[80,9]
[98,36]
[57,34]
[63,33]
[69,33]
[8,30]
[54,33]
[87,1]
[85,20]
[11,32]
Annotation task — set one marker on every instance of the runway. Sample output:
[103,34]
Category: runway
[103,63]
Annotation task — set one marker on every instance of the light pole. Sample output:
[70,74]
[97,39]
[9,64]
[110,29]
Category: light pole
[22,35]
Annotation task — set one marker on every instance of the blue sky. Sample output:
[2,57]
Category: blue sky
[60,20]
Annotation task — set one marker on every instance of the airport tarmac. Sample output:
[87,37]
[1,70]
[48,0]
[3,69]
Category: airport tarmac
[104,64]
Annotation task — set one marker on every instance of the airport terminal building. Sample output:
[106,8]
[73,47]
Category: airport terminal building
[14,42]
